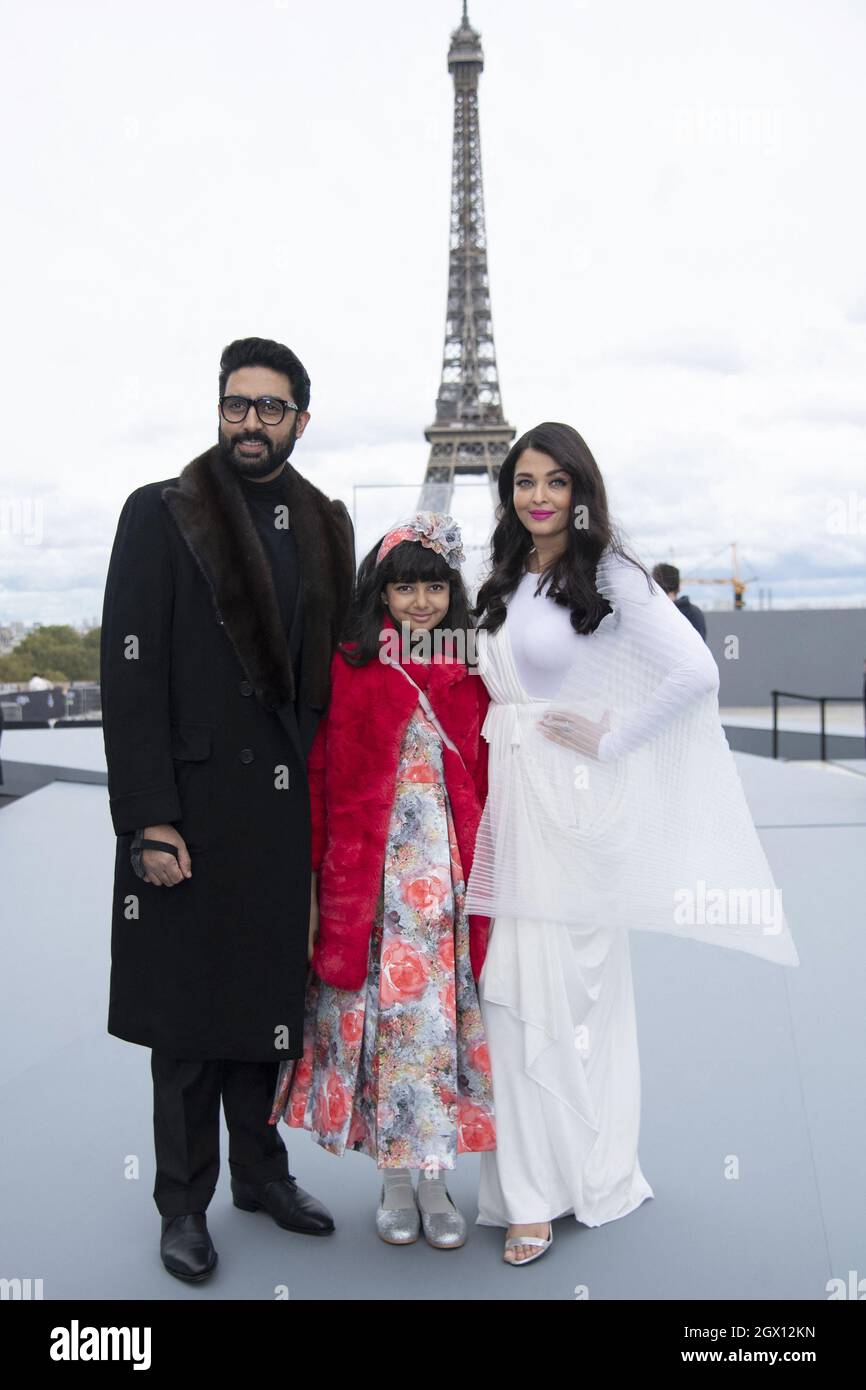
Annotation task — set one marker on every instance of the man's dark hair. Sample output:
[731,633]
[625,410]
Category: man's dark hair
[667,577]
[264,352]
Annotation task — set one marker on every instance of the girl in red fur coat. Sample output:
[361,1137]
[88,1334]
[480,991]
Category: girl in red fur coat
[395,1060]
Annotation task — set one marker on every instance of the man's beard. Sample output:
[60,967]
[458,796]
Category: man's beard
[272,459]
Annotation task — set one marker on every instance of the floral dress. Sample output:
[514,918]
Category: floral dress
[400,1069]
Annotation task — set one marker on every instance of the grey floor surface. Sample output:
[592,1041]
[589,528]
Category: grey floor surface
[741,1062]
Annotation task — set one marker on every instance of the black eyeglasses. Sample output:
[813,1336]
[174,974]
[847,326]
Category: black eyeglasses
[270,409]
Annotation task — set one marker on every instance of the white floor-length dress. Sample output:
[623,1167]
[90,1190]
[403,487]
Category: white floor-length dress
[556,990]
[558,1005]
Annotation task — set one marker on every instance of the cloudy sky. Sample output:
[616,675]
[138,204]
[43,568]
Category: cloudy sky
[675,214]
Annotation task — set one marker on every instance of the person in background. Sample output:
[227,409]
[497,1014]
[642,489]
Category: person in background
[668,578]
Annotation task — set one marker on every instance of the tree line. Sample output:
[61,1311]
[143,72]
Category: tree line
[58,653]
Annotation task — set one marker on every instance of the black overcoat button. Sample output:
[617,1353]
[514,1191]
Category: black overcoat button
[247,755]
[246,688]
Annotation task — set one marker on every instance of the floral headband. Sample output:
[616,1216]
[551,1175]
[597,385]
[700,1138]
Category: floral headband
[434,530]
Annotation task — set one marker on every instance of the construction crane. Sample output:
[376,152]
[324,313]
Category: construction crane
[737,583]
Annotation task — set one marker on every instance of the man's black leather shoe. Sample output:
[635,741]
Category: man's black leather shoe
[186,1247]
[289,1205]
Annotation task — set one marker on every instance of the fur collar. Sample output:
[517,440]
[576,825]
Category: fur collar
[209,508]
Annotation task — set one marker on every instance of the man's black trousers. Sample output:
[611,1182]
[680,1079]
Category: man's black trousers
[186,1113]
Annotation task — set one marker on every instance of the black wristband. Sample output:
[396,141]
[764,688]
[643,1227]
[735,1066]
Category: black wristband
[139,843]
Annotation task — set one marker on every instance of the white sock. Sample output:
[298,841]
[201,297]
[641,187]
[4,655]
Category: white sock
[432,1192]
[399,1194]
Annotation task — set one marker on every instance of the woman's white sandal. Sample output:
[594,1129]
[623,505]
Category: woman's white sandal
[513,1241]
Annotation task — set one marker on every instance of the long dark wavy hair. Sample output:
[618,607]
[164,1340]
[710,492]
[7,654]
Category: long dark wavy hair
[572,574]
[408,562]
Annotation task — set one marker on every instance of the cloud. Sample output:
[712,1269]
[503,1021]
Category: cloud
[696,354]
[857,312]
[659,274]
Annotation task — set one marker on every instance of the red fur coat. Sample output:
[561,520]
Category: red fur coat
[352,770]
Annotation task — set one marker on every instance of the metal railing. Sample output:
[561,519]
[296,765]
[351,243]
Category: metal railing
[79,704]
[822,701]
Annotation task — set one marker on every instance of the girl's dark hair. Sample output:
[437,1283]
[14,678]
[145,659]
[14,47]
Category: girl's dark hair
[408,562]
[572,575]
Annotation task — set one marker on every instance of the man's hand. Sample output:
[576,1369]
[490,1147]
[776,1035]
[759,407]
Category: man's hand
[161,868]
[314,918]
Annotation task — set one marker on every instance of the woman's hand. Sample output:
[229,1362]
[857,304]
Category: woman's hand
[314,918]
[574,731]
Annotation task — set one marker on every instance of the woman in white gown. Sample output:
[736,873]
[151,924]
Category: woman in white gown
[613,802]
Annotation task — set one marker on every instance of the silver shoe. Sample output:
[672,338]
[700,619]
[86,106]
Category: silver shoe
[544,1244]
[398,1225]
[446,1230]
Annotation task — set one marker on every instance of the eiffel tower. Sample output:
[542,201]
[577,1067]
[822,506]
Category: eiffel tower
[470,433]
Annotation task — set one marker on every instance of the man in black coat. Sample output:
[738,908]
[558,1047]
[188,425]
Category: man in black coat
[226,591]
[668,579]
